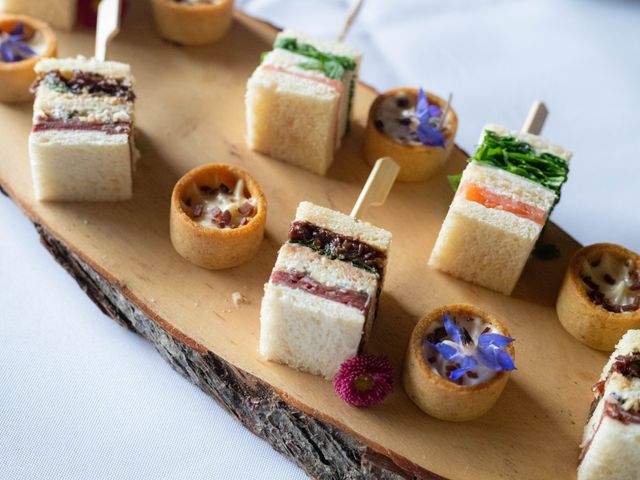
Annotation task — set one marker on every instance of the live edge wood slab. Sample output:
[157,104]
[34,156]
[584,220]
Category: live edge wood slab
[190,110]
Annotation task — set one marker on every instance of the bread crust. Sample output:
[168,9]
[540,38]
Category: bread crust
[589,323]
[417,162]
[16,77]
[439,397]
[215,248]
[191,25]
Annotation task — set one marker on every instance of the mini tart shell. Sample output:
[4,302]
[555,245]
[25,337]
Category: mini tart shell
[17,77]
[589,323]
[417,162]
[436,395]
[192,24]
[216,248]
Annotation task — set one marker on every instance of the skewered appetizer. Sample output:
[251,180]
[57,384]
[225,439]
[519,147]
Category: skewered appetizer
[321,299]
[23,42]
[600,296]
[610,447]
[81,144]
[298,101]
[457,362]
[218,215]
[192,22]
[58,13]
[416,129]
[503,201]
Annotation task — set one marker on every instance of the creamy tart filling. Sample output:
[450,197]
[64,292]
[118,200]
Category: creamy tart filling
[465,349]
[221,207]
[612,282]
[20,43]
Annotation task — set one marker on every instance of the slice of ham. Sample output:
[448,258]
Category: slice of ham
[335,84]
[302,281]
[477,194]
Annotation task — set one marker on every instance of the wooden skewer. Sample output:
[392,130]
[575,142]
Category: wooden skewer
[108,26]
[378,186]
[446,110]
[535,119]
[353,13]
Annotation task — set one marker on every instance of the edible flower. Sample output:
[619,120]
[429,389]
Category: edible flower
[364,380]
[13,46]
[430,118]
[459,348]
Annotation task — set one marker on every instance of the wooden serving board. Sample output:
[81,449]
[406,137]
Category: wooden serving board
[190,110]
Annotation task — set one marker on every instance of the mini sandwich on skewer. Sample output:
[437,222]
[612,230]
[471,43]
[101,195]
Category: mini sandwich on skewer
[502,203]
[610,448]
[298,100]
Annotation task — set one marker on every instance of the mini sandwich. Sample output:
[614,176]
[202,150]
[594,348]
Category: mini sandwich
[322,296]
[81,144]
[503,201]
[611,446]
[298,100]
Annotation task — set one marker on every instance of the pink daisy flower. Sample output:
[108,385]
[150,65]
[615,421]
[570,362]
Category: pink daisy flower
[364,380]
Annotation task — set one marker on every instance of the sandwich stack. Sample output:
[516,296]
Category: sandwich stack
[321,299]
[81,144]
[298,100]
[610,448]
[504,198]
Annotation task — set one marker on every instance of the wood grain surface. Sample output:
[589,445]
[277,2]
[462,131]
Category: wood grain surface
[190,110]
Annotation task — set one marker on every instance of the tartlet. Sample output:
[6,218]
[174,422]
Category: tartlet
[595,317]
[16,77]
[192,24]
[441,397]
[221,244]
[418,162]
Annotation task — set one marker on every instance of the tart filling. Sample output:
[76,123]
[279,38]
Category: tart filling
[410,121]
[612,282]
[335,245]
[221,207]
[465,349]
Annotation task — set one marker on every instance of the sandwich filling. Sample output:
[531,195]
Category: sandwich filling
[337,246]
[87,83]
[488,199]
[612,282]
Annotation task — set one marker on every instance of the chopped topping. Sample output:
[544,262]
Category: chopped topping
[467,351]
[238,299]
[612,283]
[90,83]
[410,121]
[219,207]
[337,246]
[627,365]
[18,44]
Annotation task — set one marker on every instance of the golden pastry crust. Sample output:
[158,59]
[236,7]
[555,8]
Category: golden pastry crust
[436,395]
[589,323]
[215,248]
[417,162]
[195,24]
[17,77]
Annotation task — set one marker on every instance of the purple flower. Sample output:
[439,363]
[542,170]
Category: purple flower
[13,46]
[364,380]
[460,348]
[429,132]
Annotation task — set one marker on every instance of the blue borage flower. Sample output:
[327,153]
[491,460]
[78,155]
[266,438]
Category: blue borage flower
[460,348]
[13,47]
[429,132]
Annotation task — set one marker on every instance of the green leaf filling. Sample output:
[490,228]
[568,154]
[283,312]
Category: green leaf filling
[454,181]
[519,158]
[333,66]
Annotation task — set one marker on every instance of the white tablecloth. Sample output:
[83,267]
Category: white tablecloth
[80,397]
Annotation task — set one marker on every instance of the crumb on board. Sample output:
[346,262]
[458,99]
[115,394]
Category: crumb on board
[238,299]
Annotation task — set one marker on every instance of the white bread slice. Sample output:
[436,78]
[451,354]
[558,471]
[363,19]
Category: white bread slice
[538,143]
[67,66]
[58,13]
[80,165]
[85,108]
[308,332]
[338,222]
[612,448]
[488,246]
